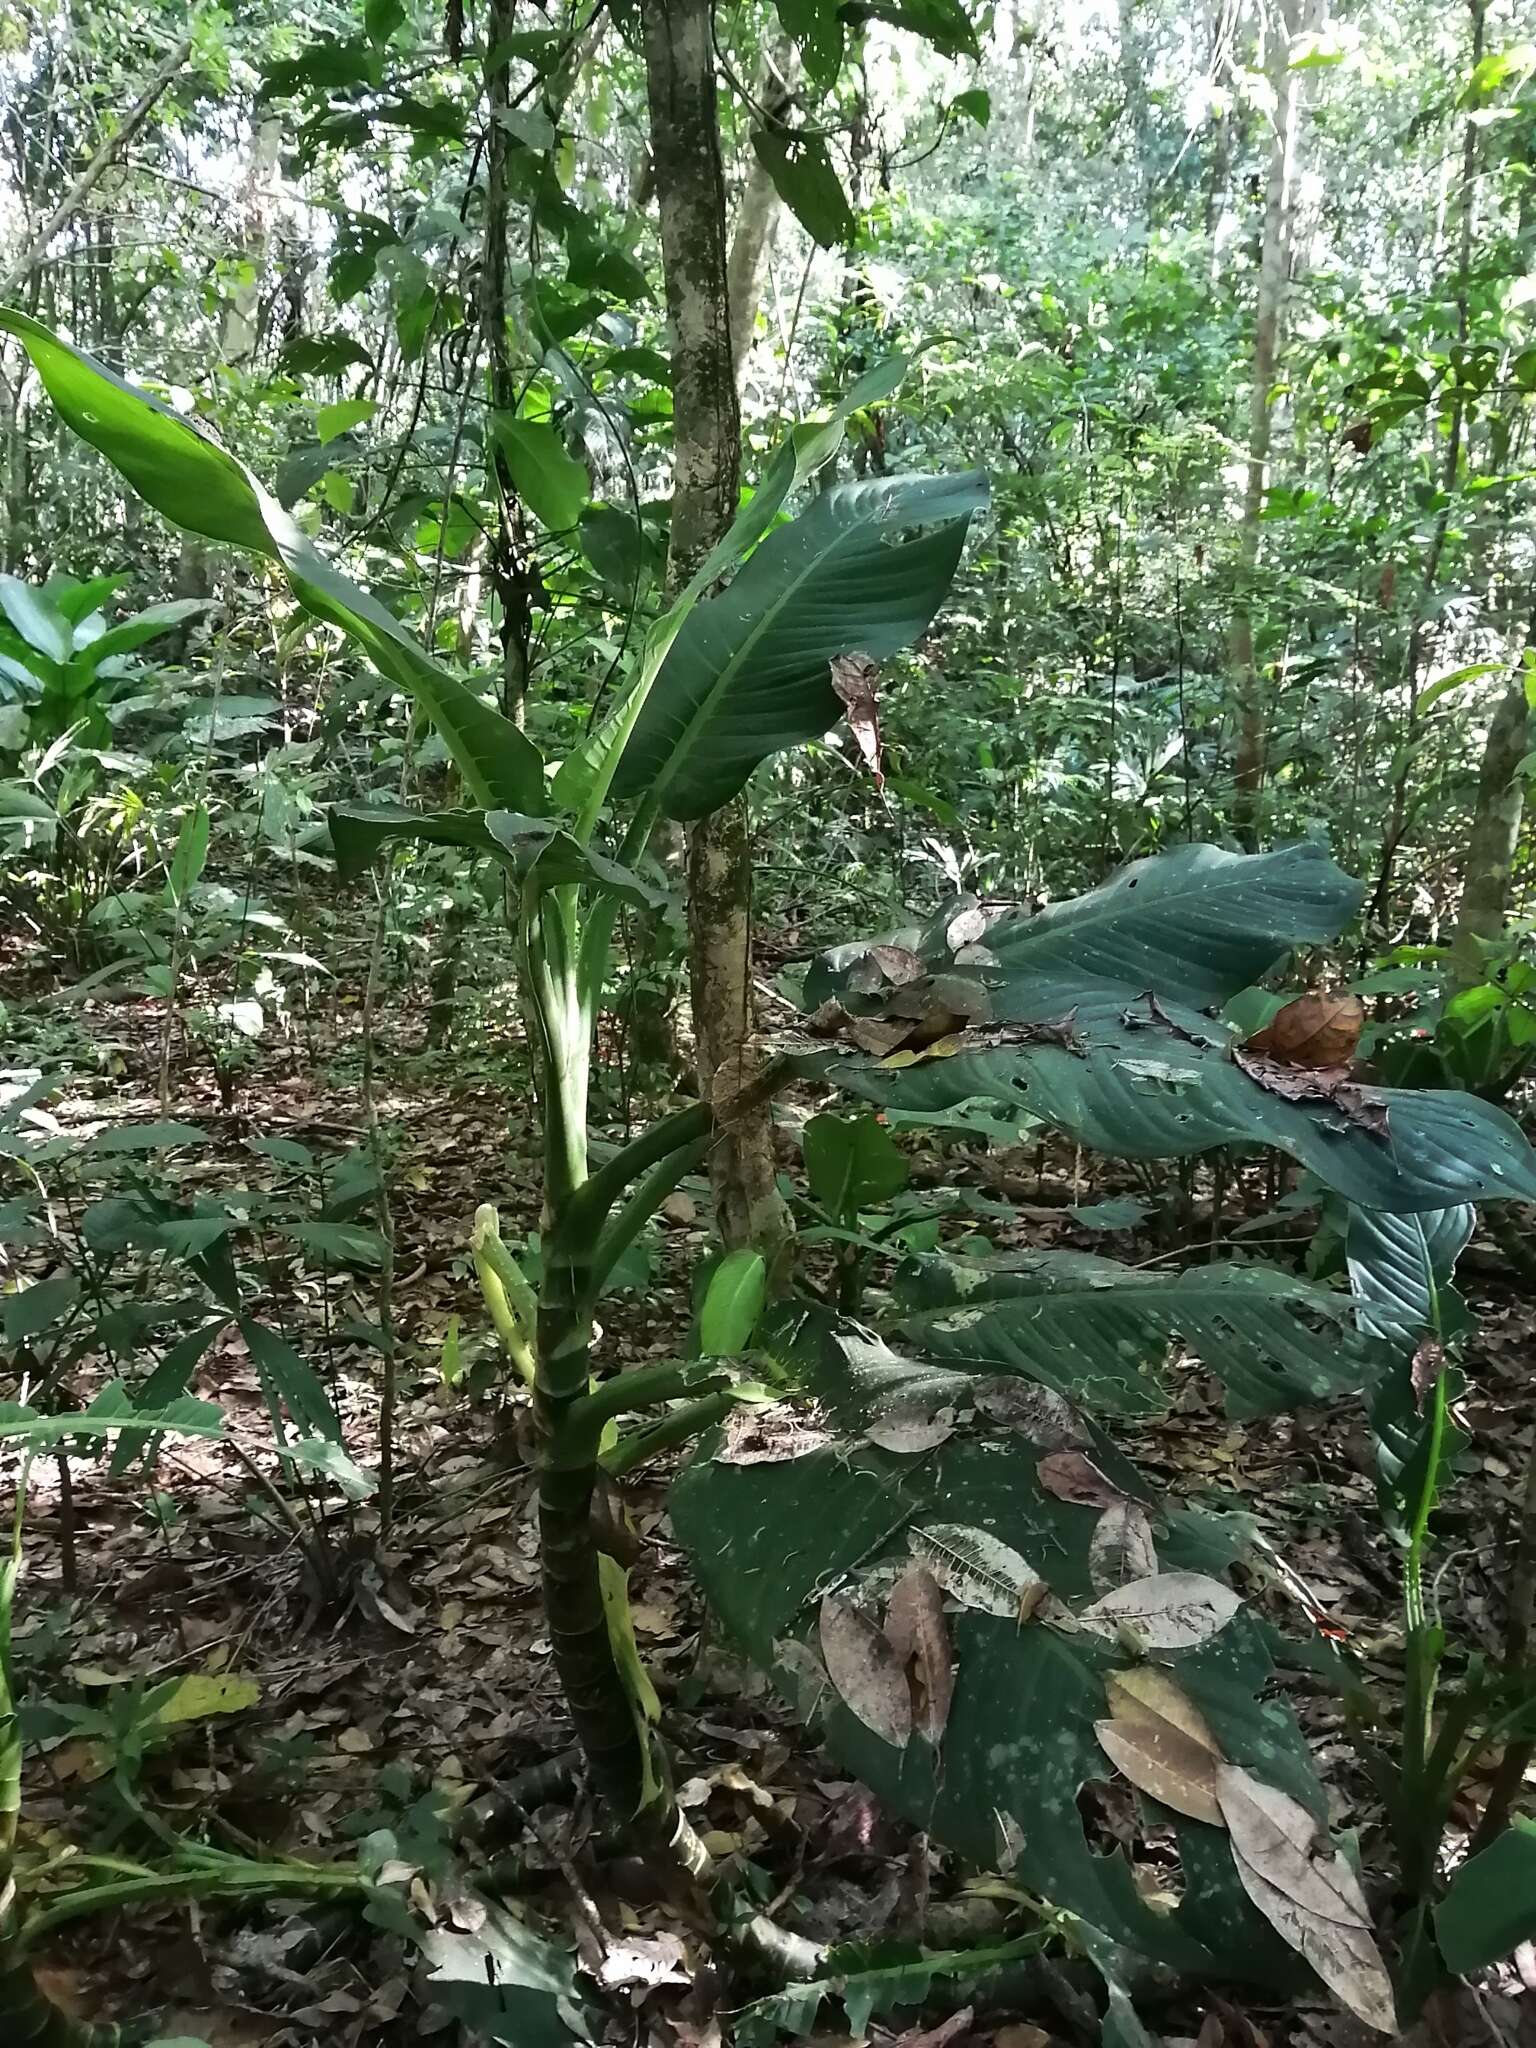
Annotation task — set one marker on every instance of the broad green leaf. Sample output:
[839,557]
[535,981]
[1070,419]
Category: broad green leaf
[181,472]
[733,1303]
[804,178]
[817,29]
[768,1539]
[145,626]
[76,601]
[1491,1905]
[585,777]
[30,1310]
[551,483]
[944,23]
[852,1163]
[1400,1270]
[166,1137]
[36,618]
[351,1243]
[340,418]
[505,1982]
[1101,1333]
[748,673]
[976,105]
[527,846]
[187,861]
[200,1695]
[291,1380]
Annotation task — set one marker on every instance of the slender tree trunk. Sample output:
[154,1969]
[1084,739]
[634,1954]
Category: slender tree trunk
[758,210]
[1495,833]
[1133,83]
[690,191]
[1281,24]
[507,553]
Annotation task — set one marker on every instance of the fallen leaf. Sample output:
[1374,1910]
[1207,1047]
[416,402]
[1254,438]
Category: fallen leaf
[1428,1364]
[1312,1031]
[1344,1956]
[1289,1849]
[976,1568]
[865,1671]
[958,2024]
[768,1436]
[1040,1413]
[917,1631]
[202,1694]
[1072,1476]
[1356,1104]
[1121,1547]
[1171,1611]
[907,1427]
[1162,1742]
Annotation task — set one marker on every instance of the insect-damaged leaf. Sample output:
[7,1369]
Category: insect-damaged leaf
[866,1671]
[978,1570]
[917,1631]
[1173,1611]
[1121,1548]
[856,680]
[1307,1891]
[1162,1742]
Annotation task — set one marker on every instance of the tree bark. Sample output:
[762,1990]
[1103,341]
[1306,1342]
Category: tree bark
[758,210]
[690,192]
[1281,25]
[1495,834]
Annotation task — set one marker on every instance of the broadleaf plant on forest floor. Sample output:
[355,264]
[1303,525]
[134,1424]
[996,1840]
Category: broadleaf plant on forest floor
[999,1512]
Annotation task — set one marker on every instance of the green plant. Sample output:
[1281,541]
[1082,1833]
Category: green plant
[60,661]
[877,1478]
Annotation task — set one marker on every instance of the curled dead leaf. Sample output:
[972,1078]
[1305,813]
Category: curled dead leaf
[1040,1413]
[1357,1104]
[907,1427]
[1312,1031]
[1162,1742]
[856,679]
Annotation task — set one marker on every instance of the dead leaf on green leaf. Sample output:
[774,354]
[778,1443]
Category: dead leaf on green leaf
[1161,1741]
[856,679]
[1312,1031]
[907,1427]
[978,1570]
[865,1671]
[916,1629]
[1040,1413]
[1072,1476]
[1358,1105]
[1307,1891]
[1172,1611]
[1121,1548]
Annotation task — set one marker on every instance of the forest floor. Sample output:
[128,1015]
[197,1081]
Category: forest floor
[405,1685]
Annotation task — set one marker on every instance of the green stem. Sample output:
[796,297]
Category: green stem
[646,1387]
[636,1212]
[680,1427]
[509,1300]
[251,1880]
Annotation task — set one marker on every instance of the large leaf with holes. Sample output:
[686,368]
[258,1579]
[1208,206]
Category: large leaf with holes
[184,474]
[1400,1272]
[1195,925]
[768,1540]
[527,846]
[1100,1332]
[749,674]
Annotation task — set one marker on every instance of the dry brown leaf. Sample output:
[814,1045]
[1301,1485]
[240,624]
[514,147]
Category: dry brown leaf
[1428,1364]
[1121,1548]
[1344,1956]
[856,679]
[1070,1475]
[1358,1105]
[1279,1839]
[865,1671]
[1312,1031]
[1040,1413]
[907,1427]
[1160,1760]
[1148,1695]
[1172,1611]
[953,2029]
[916,1629]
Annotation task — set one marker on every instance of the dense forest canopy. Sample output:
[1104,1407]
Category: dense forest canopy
[769,997]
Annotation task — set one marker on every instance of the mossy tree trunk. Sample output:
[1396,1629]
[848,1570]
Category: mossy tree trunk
[1495,834]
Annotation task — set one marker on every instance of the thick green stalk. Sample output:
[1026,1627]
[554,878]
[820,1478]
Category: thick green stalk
[681,1426]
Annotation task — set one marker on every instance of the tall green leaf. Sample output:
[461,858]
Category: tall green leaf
[851,1163]
[1400,1271]
[803,176]
[551,483]
[749,672]
[527,846]
[184,474]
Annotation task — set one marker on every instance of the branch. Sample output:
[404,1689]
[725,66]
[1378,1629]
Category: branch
[100,163]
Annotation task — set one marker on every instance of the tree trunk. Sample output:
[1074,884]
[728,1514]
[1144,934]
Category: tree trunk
[507,553]
[690,192]
[1495,833]
[758,211]
[1281,25]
